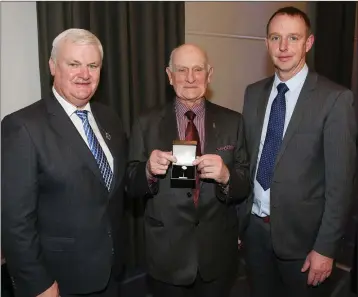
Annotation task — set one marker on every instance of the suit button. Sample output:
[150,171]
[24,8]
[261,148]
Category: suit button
[189,194]
[197,222]
[109,234]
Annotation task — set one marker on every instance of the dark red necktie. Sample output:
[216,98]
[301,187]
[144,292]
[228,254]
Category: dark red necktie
[191,133]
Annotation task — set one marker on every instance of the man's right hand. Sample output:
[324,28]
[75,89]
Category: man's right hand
[51,291]
[159,162]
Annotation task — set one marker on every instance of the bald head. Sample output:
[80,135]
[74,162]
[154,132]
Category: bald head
[186,50]
[189,73]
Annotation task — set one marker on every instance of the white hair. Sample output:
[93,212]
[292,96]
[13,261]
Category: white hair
[170,64]
[76,36]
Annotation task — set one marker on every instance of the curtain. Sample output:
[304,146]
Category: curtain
[137,39]
[335,25]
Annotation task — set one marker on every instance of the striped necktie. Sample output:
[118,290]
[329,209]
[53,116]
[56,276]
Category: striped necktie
[96,149]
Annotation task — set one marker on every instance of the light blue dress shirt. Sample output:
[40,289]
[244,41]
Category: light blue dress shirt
[261,205]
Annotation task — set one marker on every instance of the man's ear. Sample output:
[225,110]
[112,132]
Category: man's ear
[52,65]
[170,75]
[210,73]
[309,42]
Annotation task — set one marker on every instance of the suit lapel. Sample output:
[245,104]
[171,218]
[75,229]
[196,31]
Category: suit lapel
[212,129]
[298,112]
[168,128]
[262,101]
[63,126]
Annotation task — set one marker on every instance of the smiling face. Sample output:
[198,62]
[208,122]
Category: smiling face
[76,72]
[287,44]
[189,74]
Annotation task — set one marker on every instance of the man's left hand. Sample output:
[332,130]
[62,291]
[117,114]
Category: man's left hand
[320,267]
[212,167]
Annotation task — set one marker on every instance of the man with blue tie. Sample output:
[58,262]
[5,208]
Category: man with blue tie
[301,133]
[63,162]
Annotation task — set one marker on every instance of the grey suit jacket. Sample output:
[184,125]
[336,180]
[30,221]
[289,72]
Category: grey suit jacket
[181,239]
[314,170]
[59,222]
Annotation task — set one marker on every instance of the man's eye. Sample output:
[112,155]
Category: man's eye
[74,65]
[181,70]
[293,38]
[274,38]
[93,66]
[198,69]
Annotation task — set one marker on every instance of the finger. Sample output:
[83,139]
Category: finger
[163,161]
[323,277]
[159,171]
[316,280]
[311,277]
[305,266]
[167,156]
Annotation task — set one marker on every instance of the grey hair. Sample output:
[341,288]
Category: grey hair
[76,36]
[170,64]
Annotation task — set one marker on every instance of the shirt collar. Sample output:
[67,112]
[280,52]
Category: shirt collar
[198,109]
[67,106]
[295,81]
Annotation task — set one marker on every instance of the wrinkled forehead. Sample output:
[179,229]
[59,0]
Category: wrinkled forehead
[189,57]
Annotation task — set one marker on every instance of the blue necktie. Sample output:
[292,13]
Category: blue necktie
[96,149]
[273,138]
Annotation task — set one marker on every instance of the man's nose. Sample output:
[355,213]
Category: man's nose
[190,76]
[283,44]
[85,72]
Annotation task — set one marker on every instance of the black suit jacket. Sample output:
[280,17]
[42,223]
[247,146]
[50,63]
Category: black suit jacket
[314,171]
[180,238]
[59,222]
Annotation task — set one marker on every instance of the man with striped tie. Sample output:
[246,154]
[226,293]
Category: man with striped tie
[63,159]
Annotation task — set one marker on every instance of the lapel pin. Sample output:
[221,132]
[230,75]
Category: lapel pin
[214,126]
[108,136]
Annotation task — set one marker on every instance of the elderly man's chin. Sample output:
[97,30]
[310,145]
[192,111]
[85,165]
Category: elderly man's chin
[192,96]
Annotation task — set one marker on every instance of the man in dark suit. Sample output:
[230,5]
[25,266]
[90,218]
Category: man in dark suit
[63,162]
[190,234]
[301,132]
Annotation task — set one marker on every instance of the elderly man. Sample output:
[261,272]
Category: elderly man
[62,167]
[191,234]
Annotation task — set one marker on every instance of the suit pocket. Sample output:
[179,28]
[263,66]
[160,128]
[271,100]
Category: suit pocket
[58,244]
[154,222]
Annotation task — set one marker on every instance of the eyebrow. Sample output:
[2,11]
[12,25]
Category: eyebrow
[78,62]
[274,33]
[176,65]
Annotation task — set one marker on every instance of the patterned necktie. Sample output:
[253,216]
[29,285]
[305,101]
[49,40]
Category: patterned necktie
[96,149]
[191,133]
[273,138]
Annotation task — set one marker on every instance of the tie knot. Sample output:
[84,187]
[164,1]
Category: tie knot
[190,115]
[82,114]
[282,88]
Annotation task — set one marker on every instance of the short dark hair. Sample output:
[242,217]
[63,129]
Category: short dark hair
[291,11]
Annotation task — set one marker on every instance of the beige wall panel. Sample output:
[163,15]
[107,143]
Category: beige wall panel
[242,18]
[233,35]
[236,63]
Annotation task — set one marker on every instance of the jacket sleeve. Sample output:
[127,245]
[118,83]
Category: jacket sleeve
[138,184]
[339,138]
[239,182]
[20,239]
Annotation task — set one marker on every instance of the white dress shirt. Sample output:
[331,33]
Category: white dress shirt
[261,205]
[70,110]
